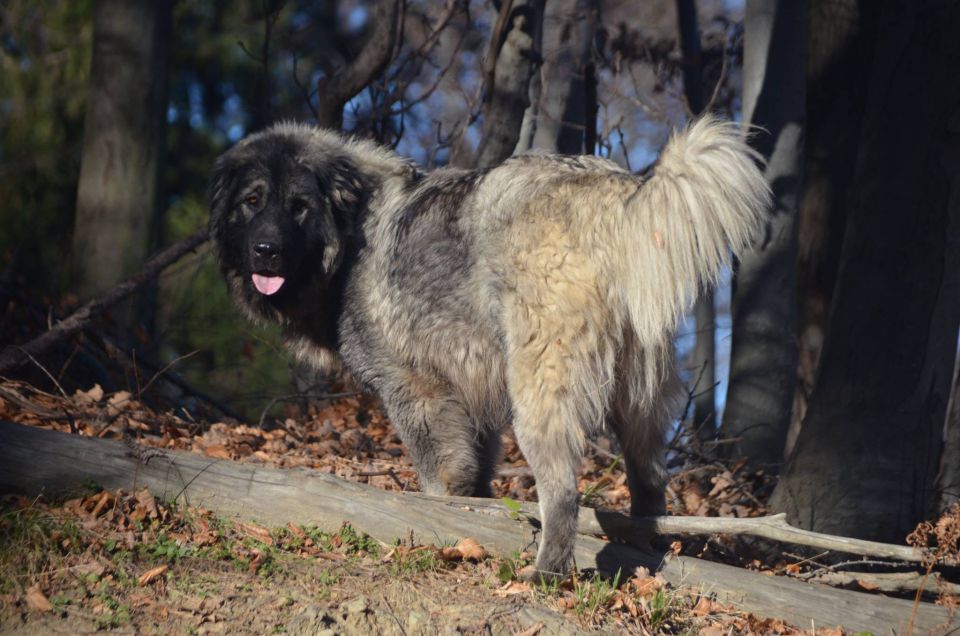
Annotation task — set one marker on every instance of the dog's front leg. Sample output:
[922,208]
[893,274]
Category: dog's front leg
[451,456]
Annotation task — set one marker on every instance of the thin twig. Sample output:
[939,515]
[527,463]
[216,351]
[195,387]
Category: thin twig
[166,368]
[44,369]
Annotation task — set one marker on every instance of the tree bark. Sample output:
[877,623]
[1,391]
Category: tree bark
[948,481]
[869,449]
[840,39]
[569,27]
[508,88]
[118,195]
[35,461]
[763,360]
[336,91]
[704,358]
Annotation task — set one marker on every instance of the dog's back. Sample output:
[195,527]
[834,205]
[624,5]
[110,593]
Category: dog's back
[544,292]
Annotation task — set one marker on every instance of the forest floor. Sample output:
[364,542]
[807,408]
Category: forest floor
[128,563]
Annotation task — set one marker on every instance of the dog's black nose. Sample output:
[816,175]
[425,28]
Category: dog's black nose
[266,249]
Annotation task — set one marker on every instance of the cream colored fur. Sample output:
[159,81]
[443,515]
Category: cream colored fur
[546,290]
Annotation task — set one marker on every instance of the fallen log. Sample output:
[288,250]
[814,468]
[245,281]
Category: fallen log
[895,582]
[35,460]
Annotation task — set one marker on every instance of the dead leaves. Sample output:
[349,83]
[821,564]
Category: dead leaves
[151,575]
[421,556]
[512,588]
[145,507]
[939,541]
[465,550]
[533,630]
[105,499]
[351,439]
[254,531]
[91,397]
[36,600]
[644,584]
[715,490]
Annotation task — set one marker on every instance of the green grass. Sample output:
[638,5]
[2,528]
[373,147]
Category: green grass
[415,561]
[511,566]
[33,541]
[593,594]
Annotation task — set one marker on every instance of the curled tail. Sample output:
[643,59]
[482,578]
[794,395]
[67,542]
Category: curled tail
[706,201]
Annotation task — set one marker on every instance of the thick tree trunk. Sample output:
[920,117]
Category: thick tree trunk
[840,40]
[569,27]
[703,360]
[948,481]
[869,449]
[123,139]
[763,362]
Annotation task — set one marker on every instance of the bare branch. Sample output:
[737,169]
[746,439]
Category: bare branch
[304,90]
[337,90]
[15,356]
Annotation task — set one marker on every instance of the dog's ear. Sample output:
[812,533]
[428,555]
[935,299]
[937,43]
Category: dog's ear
[346,189]
[223,182]
[340,180]
[345,192]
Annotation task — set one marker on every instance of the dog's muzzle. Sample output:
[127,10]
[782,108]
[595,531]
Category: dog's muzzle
[266,260]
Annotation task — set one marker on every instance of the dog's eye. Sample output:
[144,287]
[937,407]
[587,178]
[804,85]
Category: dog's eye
[300,212]
[252,200]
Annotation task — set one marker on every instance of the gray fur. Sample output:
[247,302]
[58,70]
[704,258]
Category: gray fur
[543,292]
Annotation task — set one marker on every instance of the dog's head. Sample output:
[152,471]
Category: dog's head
[283,207]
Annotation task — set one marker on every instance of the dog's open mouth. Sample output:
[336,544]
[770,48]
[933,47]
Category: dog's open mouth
[267,284]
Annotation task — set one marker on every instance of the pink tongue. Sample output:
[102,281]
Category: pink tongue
[267,285]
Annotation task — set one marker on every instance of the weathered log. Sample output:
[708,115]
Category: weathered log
[894,582]
[35,460]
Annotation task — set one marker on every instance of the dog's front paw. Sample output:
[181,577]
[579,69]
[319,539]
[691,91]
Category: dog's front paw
[535,576]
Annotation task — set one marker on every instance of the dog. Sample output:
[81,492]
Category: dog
[544,292]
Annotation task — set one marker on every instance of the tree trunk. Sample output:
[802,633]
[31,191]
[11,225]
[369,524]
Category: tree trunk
[869,449]
[335,91]
[948,481]
[704,359]
[840,39]
[118,198]
[763,360]
[569,27]
[514,60]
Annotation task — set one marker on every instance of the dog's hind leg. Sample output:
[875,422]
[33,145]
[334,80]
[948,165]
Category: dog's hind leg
[640,423]
[445,445]
[487,445]
[559,374]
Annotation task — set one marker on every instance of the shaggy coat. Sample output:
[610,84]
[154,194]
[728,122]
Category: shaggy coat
[543,293]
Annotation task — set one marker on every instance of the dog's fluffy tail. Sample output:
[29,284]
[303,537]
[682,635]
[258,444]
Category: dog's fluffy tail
[706,201]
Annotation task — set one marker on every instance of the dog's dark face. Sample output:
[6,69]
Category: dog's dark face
[280,217]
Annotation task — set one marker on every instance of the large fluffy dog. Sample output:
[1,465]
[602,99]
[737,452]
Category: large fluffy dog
[544,292]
